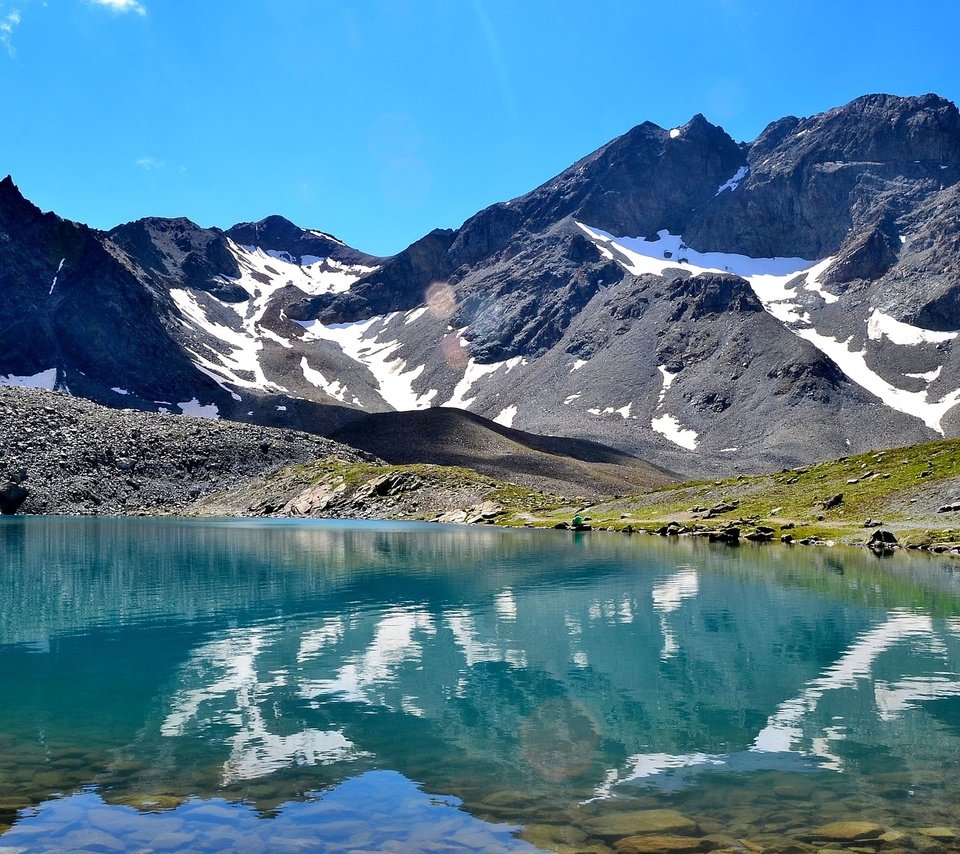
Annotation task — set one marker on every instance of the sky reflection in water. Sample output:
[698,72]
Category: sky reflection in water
[292,665]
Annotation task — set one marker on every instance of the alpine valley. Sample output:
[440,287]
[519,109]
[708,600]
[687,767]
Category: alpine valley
[707,305]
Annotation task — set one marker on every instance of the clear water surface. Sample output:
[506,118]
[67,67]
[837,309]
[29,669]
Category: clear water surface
[178,685]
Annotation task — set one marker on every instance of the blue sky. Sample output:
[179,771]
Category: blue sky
[378,120]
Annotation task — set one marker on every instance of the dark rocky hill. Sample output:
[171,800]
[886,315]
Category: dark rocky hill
[75,457]
[706,304]
[452,437]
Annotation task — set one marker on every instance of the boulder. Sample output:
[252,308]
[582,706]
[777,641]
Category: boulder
[672,529]
[722,507]
[882,538]
[383,485]
[12,496]
[315,499]
[949,508]
[730,535]
[831,502]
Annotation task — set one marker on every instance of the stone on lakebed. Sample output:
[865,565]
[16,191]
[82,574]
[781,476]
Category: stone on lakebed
[657,843]
[843,831]
[618,825]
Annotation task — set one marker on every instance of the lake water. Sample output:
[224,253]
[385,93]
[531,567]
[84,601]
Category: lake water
[272,686]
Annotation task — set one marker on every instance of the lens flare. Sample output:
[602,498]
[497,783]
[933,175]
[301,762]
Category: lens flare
[454,352]
[441,300]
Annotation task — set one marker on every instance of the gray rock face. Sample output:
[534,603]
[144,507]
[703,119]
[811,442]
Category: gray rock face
[812,181]
[399,284]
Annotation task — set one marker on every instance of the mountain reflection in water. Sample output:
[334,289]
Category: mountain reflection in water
[157,662]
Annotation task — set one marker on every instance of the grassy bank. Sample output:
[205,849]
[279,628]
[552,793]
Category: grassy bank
[843,500]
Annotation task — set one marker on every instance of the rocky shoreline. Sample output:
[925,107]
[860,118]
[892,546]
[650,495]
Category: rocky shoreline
[67,456]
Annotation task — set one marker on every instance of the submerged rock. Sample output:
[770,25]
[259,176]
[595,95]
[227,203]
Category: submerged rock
[655,843]
[554,837]
[843,831]
[943,834]
[620,825]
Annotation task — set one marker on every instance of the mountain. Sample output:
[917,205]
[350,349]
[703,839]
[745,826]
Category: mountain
[709,305]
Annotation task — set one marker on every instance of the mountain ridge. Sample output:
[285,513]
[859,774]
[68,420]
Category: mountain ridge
[624,301]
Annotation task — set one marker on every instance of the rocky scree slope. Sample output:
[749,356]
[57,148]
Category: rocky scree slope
[78,457]
[712,305]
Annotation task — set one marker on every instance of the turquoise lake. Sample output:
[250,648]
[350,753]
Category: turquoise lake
[181,685]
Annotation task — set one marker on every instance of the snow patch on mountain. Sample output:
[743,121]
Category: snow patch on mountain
[262,275]
[882,325]
[335,389]
[198,410]
[57,275]
[853,363]
[927,377]
[415,314]
[359,342]
[670,427]
[473,372]
[45,379]
[813,280]
[777,283]
[639,256]
[733,182]
[506,416]
[245,346]
[667,379]
[311,274]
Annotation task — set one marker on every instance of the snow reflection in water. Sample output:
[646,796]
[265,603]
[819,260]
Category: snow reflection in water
[281,664]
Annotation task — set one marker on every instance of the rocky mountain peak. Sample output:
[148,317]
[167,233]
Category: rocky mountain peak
[15,209]
[876,129]
[180,253]
[277,234]
[814,181]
